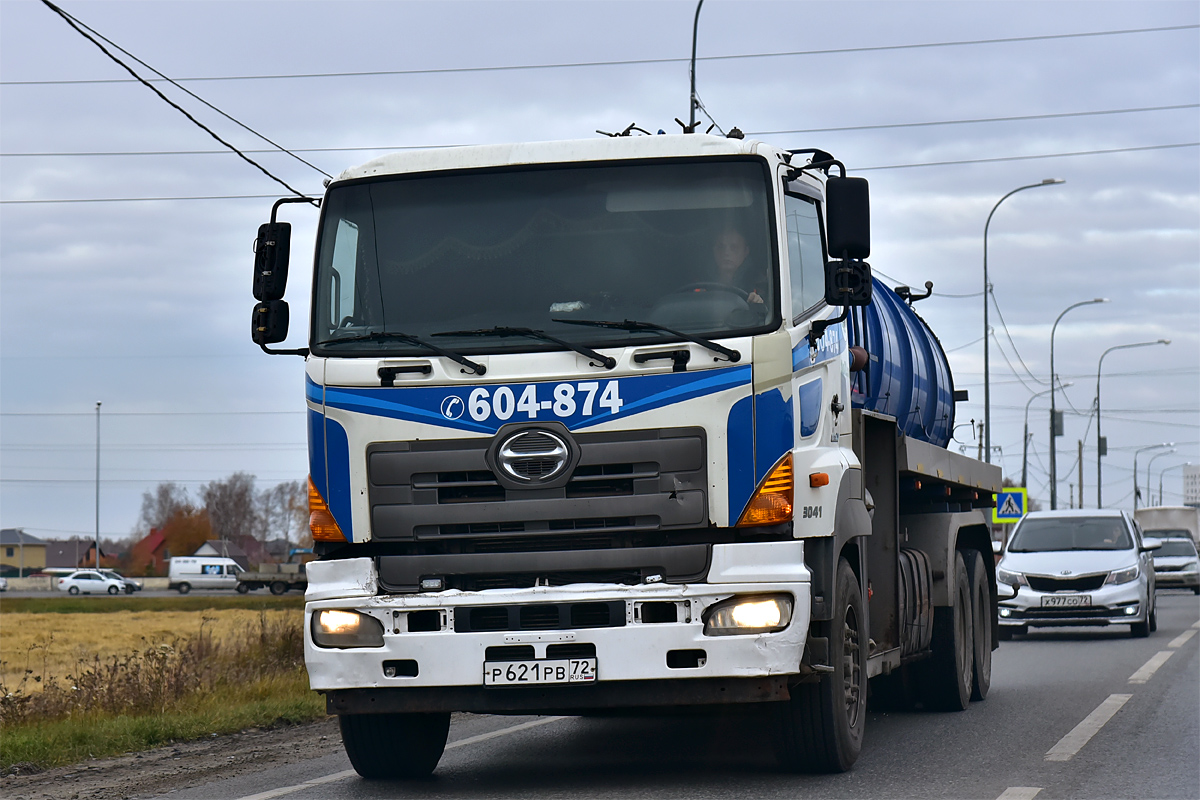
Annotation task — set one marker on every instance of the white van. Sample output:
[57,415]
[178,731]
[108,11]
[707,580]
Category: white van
[202,572]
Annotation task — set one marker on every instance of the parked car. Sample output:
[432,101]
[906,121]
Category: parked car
[90,581]
[1176,564]
[131,585]
[1084,567]
[3,584]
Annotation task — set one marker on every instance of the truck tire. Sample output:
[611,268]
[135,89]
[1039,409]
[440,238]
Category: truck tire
[243,588]
[982,619]
[949,674]
[279,587]
[390,746]
[821,726]
[184,588]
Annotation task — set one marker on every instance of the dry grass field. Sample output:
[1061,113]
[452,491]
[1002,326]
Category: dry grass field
[52,644]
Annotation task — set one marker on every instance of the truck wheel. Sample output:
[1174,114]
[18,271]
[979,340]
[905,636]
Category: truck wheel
[242,588]
[184,588]
[278,587]
[389,746]
[949,673]
[821,726]
[981,620]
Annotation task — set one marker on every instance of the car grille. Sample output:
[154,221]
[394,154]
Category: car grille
[1084,583]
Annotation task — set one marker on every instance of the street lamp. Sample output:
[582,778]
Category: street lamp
[1099,451]
[98,486]
[987,385]
[1053,378]
[1164,471]
[1135,469]
[1025,446]
[1153,458]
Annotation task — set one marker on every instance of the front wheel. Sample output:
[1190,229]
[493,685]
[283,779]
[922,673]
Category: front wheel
[278,587]
[242,588]
[184,588]
[73,590]
[390,746]
[114,590]
[821,726]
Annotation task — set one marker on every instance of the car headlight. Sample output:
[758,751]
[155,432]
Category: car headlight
[1123,575]
[1011,578]
[332,627]
[757,614]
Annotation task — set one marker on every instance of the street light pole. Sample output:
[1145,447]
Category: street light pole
[1163,472]
[1100,366]
[1135,468]
[987,384]
[694,101]
[1025,446]
[1053,378]
[1153,458]
[97,486]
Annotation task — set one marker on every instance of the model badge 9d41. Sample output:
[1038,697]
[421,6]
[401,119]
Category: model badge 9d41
[533,456]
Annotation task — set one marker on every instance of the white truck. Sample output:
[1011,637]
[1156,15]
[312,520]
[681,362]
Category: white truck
[1168,522]
[624,424]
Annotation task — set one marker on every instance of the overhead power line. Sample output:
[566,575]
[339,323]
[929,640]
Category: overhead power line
[79,27]
[632,62]
[852,169]
[883,126]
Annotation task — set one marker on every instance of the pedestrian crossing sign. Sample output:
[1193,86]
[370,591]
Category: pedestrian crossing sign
[1011,505]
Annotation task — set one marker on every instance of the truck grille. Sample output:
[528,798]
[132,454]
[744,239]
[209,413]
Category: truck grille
[541,617]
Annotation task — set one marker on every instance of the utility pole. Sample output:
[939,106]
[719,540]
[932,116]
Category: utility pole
[97,486]
[1080,467]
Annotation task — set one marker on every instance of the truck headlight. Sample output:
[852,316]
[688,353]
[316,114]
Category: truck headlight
[1123,575]
[755,614]
[332,627]
[1011,578]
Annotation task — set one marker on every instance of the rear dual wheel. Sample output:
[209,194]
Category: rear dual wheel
[948,679]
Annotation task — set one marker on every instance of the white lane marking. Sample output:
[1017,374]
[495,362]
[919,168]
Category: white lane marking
[1147,670]
[1082,733]
[1196,624]
[337,776]
[1020,793]
[1181,639]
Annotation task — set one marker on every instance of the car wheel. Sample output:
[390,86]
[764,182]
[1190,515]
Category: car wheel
[73,590]
[1005,634]
[1154,617]
[114,590]
[1196,589]
[184,588]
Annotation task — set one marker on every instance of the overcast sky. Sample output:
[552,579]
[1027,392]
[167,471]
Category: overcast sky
[145,305]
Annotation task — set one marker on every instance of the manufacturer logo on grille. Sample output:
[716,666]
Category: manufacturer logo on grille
[533,456]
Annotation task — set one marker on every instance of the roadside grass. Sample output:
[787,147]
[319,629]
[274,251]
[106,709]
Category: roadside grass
[104,604]
[188,688]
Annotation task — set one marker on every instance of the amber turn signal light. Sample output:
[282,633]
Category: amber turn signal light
[771,502]
[818,479]
[322,524]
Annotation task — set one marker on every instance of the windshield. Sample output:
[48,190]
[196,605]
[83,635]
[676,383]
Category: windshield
[1070,533]
[1176,547]
[686,245]
[1168,533]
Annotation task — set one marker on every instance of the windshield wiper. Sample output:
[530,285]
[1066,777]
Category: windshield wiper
[634,325]
[500,330]
[380,336]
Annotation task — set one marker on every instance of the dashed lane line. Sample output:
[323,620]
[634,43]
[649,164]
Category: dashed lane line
[1181,639]
[1020,793]
[1147,670]
[1196,624]
[337,776]
[1082,733]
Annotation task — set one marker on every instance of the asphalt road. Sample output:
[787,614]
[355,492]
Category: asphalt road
[1073,713]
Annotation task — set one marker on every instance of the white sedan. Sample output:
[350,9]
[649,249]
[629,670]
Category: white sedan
[90,582]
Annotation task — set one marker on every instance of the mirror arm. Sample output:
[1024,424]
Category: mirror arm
[795,172]
[316,201]
[302,352]
[817,329]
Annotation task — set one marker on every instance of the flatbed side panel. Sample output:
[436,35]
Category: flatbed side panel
[921,458]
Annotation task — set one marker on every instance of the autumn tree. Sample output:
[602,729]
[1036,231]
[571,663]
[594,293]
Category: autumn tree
[232,507]
[161,505]
[283,511]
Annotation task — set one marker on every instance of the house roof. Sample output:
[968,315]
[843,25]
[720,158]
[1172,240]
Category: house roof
[13,536]
[221,547]
[68,553]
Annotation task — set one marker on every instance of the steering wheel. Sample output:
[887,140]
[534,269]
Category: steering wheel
[714,287]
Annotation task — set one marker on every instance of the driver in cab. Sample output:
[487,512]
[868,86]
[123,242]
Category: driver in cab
[730,252]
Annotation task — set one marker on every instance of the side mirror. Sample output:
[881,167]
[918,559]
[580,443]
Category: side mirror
[1149,543]
[997,547]
[272,250]
[269,325]
[848,217]
[847,283]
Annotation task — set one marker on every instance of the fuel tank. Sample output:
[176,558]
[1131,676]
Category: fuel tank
[907,375]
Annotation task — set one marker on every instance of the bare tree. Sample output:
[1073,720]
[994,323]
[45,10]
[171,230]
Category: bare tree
[278,511]
[159,506]
[231,507]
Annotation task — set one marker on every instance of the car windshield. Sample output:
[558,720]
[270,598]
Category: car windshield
[450,258]
[1168,533]
[1176,547]
[1039,535]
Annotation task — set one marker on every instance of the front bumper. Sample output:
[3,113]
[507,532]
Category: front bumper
[1177,578]
[1110,605]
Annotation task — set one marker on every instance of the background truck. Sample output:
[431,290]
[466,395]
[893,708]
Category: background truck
[618,425]
[1165,522]
[279,578]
